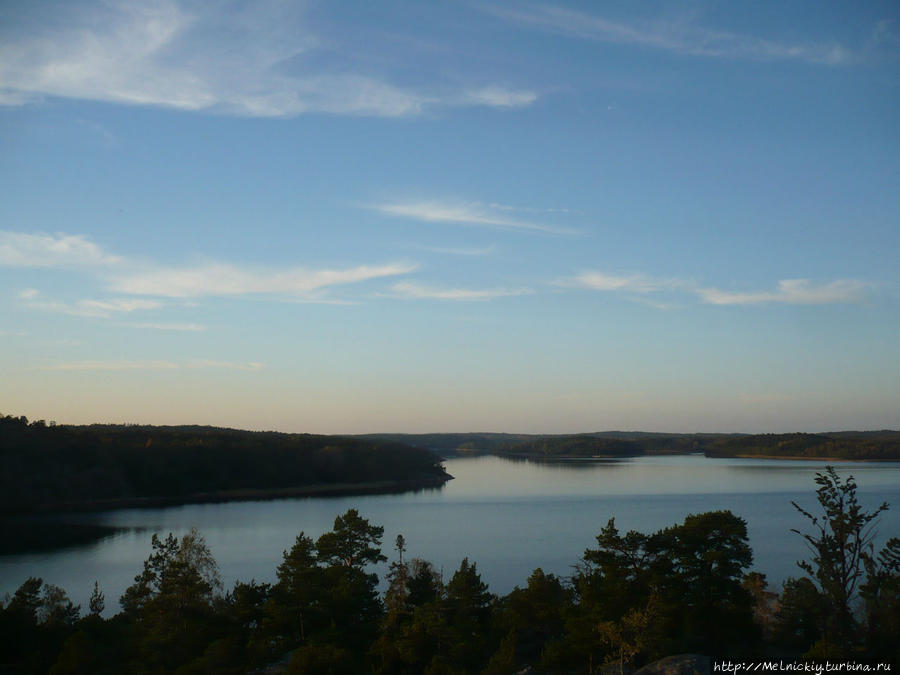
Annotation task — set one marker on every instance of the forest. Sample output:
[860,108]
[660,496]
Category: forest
[842,445]
[633,599]
[50,467]
[581,445]
[855,445]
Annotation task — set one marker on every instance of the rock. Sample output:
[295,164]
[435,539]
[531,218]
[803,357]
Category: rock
[681,664]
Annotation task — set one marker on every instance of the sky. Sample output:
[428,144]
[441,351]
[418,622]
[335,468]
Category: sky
[343,217]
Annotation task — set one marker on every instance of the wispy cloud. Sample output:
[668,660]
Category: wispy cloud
[414,291]
[655,304]
[116,305]
[788,291]
[141,278]
[459,251]
[635,283]
[250,60]
[680,37]
[791,291]
[474,214]
[221,279]
[21,249]
[189,327]
[152,365]
[531,209]
[90,308]
[499,97]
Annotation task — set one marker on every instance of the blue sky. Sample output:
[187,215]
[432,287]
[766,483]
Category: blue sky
[343,217]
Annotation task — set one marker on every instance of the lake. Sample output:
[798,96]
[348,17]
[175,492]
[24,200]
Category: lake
[509,516]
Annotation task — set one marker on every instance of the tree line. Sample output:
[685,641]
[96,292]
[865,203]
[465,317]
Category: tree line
[877,445]
[847,445]
[47,466]
[634,598]
[883,445]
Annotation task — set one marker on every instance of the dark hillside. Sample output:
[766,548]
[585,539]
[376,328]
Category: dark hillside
[582,445]
[651,443]
[847,445]
[47,467]
[452,442]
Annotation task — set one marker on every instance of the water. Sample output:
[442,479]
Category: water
[507,516]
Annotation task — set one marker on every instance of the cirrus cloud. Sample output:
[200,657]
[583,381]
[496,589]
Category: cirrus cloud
[791,291]
[462,213]
[133,277]
[498,97]
[34,299]
[788,291]
[222,279]
[414,291]
[635,283]
[679,36]
[250,60]
[188,327]
[23,249]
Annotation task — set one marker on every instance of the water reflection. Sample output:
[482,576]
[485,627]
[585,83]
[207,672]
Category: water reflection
[657,475]
[576,463]
[25,534]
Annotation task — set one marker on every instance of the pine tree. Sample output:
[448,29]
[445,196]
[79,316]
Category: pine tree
[97,602]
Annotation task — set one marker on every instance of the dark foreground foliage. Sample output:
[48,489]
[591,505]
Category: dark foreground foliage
[57,466]
[635,598]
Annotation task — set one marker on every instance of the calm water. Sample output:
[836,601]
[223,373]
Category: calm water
[508,516]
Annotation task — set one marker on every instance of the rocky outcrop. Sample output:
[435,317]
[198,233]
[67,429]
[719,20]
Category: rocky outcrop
[681,664]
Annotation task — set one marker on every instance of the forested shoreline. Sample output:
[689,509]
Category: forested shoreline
[50,467]
[634,598]
[841,445]
[850,445]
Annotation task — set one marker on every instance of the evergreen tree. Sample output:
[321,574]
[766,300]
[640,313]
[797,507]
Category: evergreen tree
[294,608]
[531,617]
[350,602]
[97,602]
[171,603]
[699,569]
[468,605]
[352,542]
